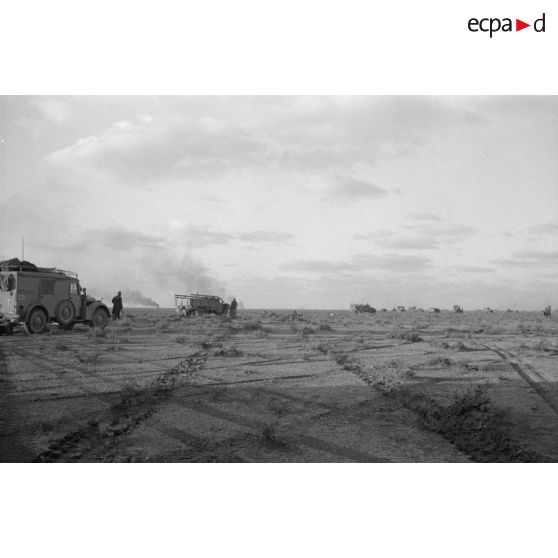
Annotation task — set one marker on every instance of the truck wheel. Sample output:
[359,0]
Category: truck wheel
[37,321]
[66,314]
[100,318]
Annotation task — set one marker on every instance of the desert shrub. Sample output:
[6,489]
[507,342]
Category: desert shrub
[341,359]
[262,333]
[322,348]
[228,351]
[439,361]
[269,437]
[352,366]
[306,331]
[404,334]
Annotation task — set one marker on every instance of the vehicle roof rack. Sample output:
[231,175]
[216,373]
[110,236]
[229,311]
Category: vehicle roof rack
[72,274]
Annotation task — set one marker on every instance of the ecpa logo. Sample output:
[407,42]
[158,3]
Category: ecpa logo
[494,24]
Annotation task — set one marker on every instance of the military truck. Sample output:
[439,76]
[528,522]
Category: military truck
[362,308]
[198,304]
[35,296]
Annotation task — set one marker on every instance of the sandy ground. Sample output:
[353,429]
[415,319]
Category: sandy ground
[329,387]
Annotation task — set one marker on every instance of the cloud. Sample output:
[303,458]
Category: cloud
[319,266]
[473,269]
[197,237]
[194,237]
[325,132]
[427,237]
[116,239]
[391,262]
[446,232]
[423,217]
[537,255]
[382,233]
[530,258]
[407,243]
[264,236]
[207,137]
[54,109]
[546,228]
[350,188]
[146,149]
[361,262]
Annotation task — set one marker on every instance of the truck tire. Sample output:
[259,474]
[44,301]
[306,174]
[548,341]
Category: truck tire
[100,318]
[66,314]
[37,321]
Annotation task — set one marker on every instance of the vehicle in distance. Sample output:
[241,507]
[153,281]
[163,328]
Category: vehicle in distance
[199,304]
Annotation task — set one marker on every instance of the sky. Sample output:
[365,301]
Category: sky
[288,202]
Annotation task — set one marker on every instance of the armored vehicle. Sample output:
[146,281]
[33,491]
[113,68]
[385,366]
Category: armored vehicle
[35,296]
[197,304]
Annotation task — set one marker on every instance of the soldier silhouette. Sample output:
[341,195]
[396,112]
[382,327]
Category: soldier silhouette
[117,306]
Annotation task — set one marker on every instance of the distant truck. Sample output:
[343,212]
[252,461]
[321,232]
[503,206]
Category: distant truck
[362,308]
[198,304]
[35,296]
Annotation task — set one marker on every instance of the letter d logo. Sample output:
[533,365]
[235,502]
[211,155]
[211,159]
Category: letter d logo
[539,24]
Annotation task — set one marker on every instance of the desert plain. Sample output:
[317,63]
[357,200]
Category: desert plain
[330,386]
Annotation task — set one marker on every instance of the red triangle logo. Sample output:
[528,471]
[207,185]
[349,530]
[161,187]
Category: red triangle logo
[519,25]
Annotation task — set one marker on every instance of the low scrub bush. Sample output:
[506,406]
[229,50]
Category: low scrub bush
[404,334]
[228,351]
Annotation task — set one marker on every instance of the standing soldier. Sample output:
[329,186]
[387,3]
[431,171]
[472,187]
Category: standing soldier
[232,308]
[117,306]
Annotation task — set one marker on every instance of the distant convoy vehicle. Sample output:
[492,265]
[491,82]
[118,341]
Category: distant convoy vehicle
[35,296]
[199,304]
[362,308]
